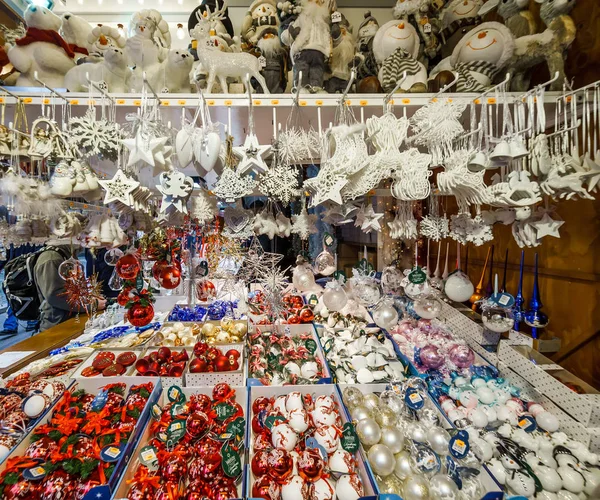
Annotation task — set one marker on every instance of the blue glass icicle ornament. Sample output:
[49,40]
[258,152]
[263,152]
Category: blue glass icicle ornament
[534,317]
[518,307]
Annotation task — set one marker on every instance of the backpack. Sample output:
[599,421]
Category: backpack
[19,285]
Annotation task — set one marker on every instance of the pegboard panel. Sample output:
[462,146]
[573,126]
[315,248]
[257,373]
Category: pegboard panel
[579,406]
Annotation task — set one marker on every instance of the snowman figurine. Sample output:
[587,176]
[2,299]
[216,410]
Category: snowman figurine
[479,56]
[396,48]
[458,17]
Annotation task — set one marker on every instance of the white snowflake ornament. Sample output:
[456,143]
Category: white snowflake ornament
[280,182]
[304,224]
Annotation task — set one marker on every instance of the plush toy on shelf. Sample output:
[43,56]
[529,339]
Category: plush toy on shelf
[550,46]
[343,59]
[112,73]
[41,50]
[148,45]
[173,75]
[479,56]
[420,13]
[260,34]
[458,17]
[309,37]
[396,48]
[101,39]
[515,14]
[75,30]
[367,66]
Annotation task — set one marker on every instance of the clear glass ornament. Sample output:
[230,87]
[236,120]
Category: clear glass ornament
[325,263]
[497,319]
[70,268]
[334,297]
[428,307]
[416,291]
[385,315]
[112,256]
[365,290]
[115,281]
[303,278]
[458,287]
[391,280]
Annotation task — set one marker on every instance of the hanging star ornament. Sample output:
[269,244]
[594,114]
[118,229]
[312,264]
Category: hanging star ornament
[330,189]
[251,155]
[547,226]
[119,188]
[143,148]
[368,220]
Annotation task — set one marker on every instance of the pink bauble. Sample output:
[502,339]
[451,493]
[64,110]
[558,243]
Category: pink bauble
[431,357]
[404,326]
[424,324]
[461,355]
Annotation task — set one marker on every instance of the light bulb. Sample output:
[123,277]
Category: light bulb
[80,2]
[180,32]
[99,2]
[141,2]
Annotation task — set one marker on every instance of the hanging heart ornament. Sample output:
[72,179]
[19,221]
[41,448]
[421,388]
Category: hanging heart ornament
[236,219]
[184,146]
[209,149]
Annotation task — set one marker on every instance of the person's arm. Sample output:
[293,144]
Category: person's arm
[52,286]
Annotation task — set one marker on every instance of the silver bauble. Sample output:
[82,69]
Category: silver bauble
[368,431]
[385,417]
[415,488]
[385,316]
[417,432]
[429,417]
[441,487]
[438,439]
[381,460]
[403,469]
[391,400]
[393,438]
[360,413]
[371,401]
[390,484]
[471,488]
[353,397]
[335,298]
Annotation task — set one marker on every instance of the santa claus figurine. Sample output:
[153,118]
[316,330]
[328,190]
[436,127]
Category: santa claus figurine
[309,37]
[343,59]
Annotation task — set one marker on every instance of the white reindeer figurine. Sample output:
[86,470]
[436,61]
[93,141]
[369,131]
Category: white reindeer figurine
[222,65]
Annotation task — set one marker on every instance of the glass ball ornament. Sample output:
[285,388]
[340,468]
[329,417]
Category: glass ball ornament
[112,256]
[391,400]
[385,417]
[371,401]
[390,484]
[128,266]
[424,460]
[402,467]
[458,287]
[360,413]
[441,487]
[335,298]
[303,278]
[391,280]
[415,487]
[461,355]
[415,291]
[366,291]
[497,319]
[393,438]
[536,318]
[385,315]
[438,438]
[427,307]
[381,460]
[368,431]
[353,397]
[431,357]
[70,268]
[325,263]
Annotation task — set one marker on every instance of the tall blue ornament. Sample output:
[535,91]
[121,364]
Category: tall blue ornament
[519,300]
[534,317]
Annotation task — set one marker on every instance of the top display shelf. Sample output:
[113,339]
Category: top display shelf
[42,96]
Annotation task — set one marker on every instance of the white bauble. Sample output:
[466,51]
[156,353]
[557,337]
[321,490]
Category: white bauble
[325,402]
[415,487]
[385,316]
[349,487]
[323,416]
[341,461]
[293,489]
[438,439]
[335,298]
[368,431]
[284,437]
[298,420]
[327,436]
[309,370]
[381,460]
[294,401]
[441,487]
[402,467]
[547,421]
[323,489]
[393,438]
[279,404]
[458,287]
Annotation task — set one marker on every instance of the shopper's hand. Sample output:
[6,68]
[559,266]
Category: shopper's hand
[101,304]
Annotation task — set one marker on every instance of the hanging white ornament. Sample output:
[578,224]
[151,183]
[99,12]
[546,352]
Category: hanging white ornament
[143,147]
[203,207]
[434,227]
[232,186]
[339,215]
[280,181]
[411,177]
[368,220]
[304,224]
[176,188]
[265,223]
[284,226]
[517,191]
[119,188]
[93,137]
[237,222]
[252,155]
[404,225]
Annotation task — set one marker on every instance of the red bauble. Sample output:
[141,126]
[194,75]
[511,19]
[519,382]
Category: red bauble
[205,291]
[197,424]
[306,315]
[200,348]
[139,315]
[200,402]
[222,364]
[167,274]
[310,465]
[261,403]
[84,448]
[142,491]
[209,451]
[42,448]
[124,296]
[128,266]
[232,353]
[281,465]
[262,442]
[196,490]
[170,490]
[57,486]
[23,490]
[198,365]
[259,464]
[265,488]
[224,491]
[222,392]
[257,425]
[173,467]
[293,319]
[83,486]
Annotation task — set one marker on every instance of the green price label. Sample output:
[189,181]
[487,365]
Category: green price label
[349,439]
[175,394]
[311,346]
[224,411]
[271,419]
[328,240]
[231,462]
[175,431]
[148,457]
[340,276]
[202,269]
[236,427]
[417,276]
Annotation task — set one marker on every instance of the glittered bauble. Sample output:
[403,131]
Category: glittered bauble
[310,465]
[385,315]
[381,460]
[58,485]
[265,488]
[391,280]
[415,488]
[393,438]
[23,490]
[392,400]
[128,266]
[427,307]
[167,274]
[371,401]
[335,299]
[41,449]
[173,467]
[458,287]
[497,319]
[431,358]
[325,263]
[205,291]
[197,424]
[368,431]
[416,291]
[402,467]
[390,484]
[385,417]
[139,315]
[461,355]
[441,487]
[353,397]
[281,465]
[224,491]
[260,463]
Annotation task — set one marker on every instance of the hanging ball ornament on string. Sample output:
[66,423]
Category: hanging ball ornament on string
[416,291]
[334,296]
[140,315]
[427,307]
[385,315]
[70,268]
[303,278]
[391,280]
[205,290]
[112,256]
[168,274]
[458,287]
[365,290]
[325,263]
[128,266]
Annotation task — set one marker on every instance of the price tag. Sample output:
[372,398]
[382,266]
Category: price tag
[349,439]
[336,17]
[311,442]
[313,300]
[417,276]
[527,423]
[156,411]
[459,445]
[328,240]
[175,394]
[224,411]
[236,428]
[148,457]
[413,399]
[99,401]
[271,419]
[176,410]
[202,269]
[340,276]
[262,61]
[34,473]
[311,346]
[175,431]
[112,453]
[427,28]
[503,299]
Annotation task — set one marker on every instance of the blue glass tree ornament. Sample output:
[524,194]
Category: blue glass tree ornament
[534,317]
[519,300]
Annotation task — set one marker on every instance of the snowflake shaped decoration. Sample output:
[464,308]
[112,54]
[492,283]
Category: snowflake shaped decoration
[304,224]
[458,227]
[204,207]
[299,146]
[434,228]
[232,186]
[94,137]
[280,182]
[477,231]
